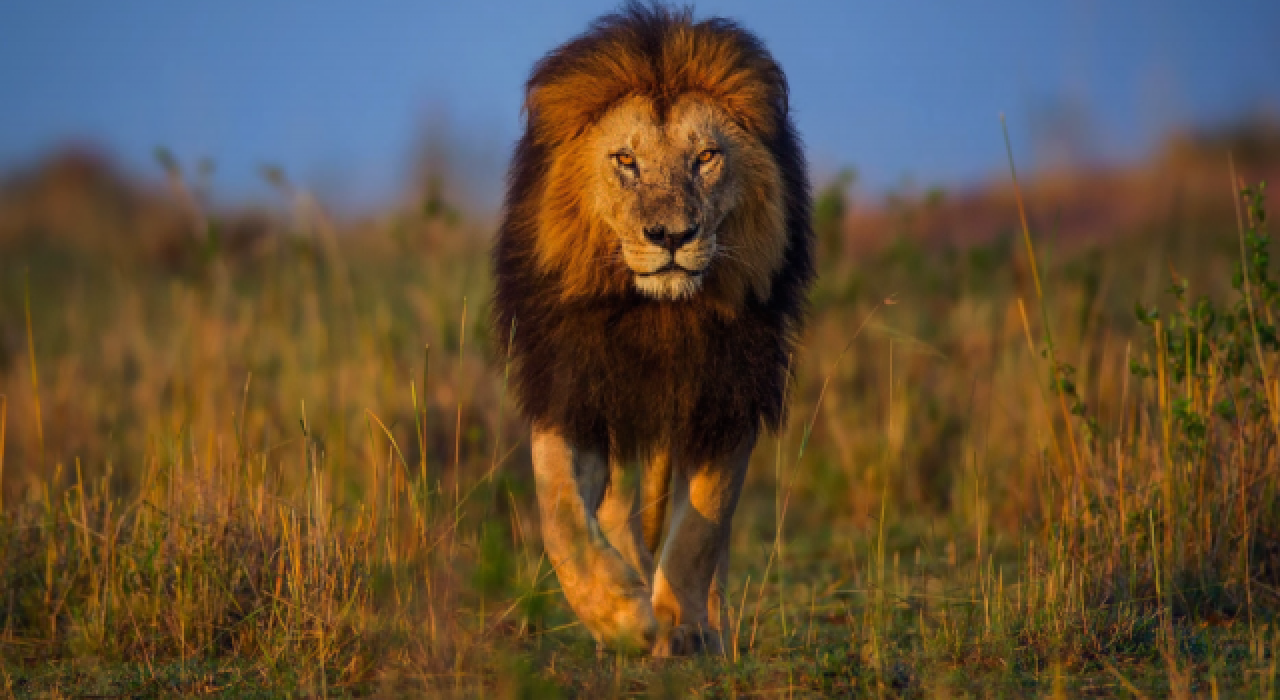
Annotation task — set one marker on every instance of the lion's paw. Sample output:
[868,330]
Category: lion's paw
[687,640]
[622,621]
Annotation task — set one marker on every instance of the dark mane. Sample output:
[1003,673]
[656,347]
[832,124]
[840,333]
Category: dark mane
[617,371]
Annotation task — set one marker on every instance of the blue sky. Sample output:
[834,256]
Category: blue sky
[343,95]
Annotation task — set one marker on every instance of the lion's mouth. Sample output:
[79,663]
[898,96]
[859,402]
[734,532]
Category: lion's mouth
[671,267]
[670,282]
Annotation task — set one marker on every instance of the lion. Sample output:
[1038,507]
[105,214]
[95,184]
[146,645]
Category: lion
[652,270]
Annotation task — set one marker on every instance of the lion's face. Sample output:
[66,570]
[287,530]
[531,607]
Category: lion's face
[664,187]
[665,166]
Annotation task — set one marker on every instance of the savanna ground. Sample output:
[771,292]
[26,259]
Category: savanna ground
[272,455]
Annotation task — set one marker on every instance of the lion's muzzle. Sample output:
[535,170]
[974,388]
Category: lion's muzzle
[670,266]
[673,249]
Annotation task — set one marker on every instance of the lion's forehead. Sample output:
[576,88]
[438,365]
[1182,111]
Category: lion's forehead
[692,123]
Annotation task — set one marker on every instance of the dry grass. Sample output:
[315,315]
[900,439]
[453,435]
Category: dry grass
[286,466]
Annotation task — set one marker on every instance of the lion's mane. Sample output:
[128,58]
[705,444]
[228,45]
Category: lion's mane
[613,370]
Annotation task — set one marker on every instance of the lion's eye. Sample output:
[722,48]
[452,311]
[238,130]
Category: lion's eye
[626,160]
[708,155]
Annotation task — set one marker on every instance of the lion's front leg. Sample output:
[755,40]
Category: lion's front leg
[609,597]
[696,554]
[621,517]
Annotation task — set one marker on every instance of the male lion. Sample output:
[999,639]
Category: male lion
[653,263]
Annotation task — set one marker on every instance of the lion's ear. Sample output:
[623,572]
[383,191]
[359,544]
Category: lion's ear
[526,109]
[563,109]
[540,101]
[554,115]
[534,97]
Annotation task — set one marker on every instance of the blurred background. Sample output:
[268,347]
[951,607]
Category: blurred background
[355,103]
[243,338]
[304,194]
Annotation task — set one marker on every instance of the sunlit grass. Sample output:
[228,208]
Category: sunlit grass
[294,469]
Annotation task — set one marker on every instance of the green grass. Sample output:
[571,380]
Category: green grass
[291,469]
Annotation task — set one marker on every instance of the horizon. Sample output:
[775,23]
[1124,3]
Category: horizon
[351,104]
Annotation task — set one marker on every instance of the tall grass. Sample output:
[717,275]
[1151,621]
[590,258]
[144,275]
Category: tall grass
[239,473]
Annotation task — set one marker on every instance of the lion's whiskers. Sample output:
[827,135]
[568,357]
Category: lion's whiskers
[729,253]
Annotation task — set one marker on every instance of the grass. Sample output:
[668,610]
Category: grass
[288,466]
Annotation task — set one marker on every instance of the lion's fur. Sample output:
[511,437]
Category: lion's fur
[611,369]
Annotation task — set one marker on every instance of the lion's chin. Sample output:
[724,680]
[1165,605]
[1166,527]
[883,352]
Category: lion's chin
[670,285]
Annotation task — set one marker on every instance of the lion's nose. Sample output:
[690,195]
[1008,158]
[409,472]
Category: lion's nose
[661,236]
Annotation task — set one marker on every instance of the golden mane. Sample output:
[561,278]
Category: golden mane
[661,56]
[591,356]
